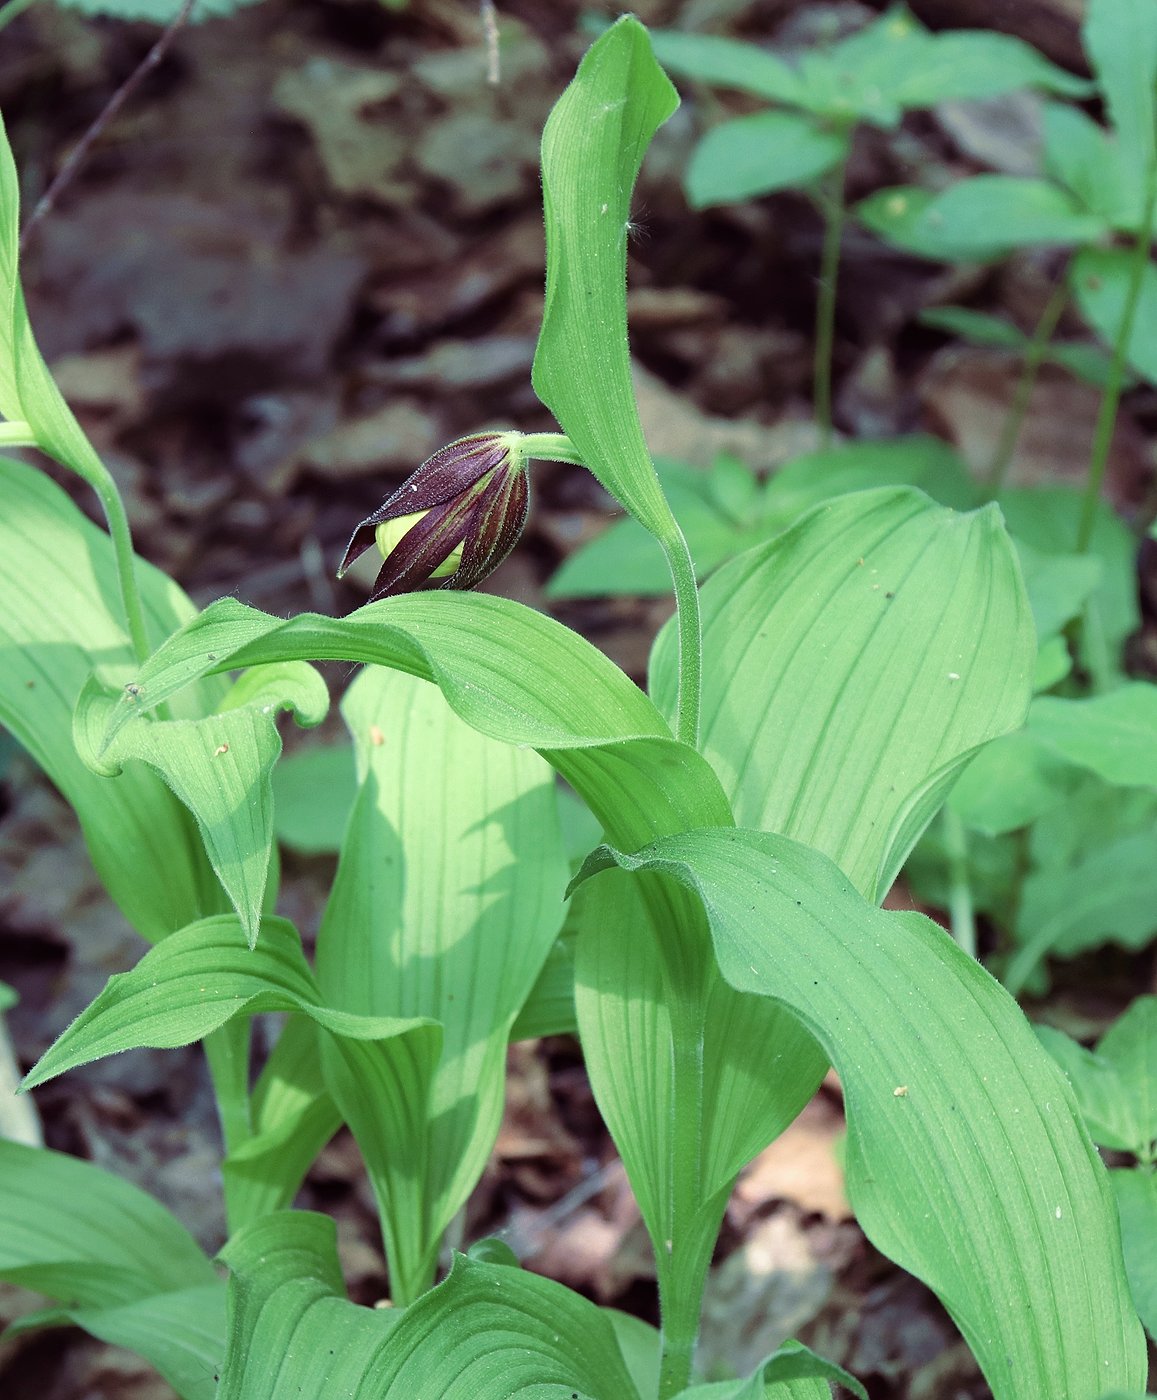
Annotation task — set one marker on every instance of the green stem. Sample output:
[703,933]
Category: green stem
[690,630]
[227,1051]
[12,9]
[548,447]
[1034,356]
[122,543]
[834,210]
[16,433]
[1110,400]
[962,916]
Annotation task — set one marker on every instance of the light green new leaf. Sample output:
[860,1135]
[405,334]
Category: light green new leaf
[509,672]
[852,665]
[1113,735]
[60,621]
[218,766]
[487,1333]
[758,154]
[1137,1201]
[1100,279]
[592,148]
[442,809]
[729,63]
[943,1110]
[983,218]
[1120,37]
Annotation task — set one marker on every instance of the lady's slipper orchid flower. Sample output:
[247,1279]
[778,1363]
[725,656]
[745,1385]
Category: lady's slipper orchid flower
[453,521]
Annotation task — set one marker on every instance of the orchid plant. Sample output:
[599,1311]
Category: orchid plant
[807,713]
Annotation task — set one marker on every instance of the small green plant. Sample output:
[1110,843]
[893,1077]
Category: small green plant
[875,75]
[807,713]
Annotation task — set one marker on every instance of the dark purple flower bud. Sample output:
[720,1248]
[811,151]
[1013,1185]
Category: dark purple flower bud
[453,521]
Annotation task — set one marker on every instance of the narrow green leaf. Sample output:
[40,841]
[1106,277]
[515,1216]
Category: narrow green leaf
[852,665]
[1120,37]
[154,11]
[61,621]
[759,154]
[729,63]
[943,1111]
[592,149]
[218,766]
[970,65]
[1113,735]
[976,327]
[441,808]
[488,1332]
[1100,279]
[1137,1201]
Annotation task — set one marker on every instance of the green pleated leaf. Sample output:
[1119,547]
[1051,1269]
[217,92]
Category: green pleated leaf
[1100,279]
[729,63]
[1120,37]
[852,665]
[983,218]
[195,981]
[758,154]
[487,1333]
[218,766]
[313,794]
[1113,735]
[60,621]
[592,148]
[509,672]
[441,808]
[1137,1201]
[946,1111]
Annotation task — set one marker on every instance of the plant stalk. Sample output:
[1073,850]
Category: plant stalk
[962,916]
[690,629]
[834,211]
[122,542]
[227,1053]
[1034,355]
[16,433]
[1111,398]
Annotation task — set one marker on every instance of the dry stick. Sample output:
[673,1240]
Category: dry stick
[79,152]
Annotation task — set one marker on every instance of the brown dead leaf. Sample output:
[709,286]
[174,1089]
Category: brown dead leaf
[800,1166]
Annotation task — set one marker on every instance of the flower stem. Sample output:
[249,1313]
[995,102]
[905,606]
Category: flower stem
[122,543]
[1111,398]
[1034,356]
[548,447]
[960,909]
[834,209]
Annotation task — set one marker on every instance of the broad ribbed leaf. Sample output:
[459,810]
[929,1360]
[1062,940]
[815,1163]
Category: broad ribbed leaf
[592,148]
[758,154]
[219,766]
[509,672]
[447,900]
[794,1372]
[313,794]
[852,665]
[967,1161]
[487,1333]
[60,621]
